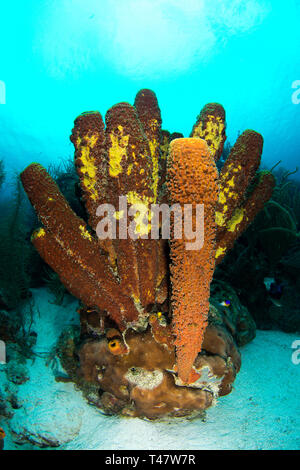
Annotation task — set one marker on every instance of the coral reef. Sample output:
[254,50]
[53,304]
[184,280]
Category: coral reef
[16,373]
[2,436]
[15,252]
[269,249]
[54,285]
[151,357]
[232,313]
[279,223]
[17,260]
[66,177]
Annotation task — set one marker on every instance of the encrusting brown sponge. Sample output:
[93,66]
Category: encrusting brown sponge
[143,382]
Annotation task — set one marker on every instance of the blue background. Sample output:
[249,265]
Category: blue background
[62,57]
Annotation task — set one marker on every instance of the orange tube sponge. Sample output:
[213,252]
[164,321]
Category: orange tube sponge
[131,170]
[122,160]
[242,217]
[129,174]
[117,160]
[127,154]
[211,127]
[191,179]
[237,174]
[70,249]
[89,142]
[149,114]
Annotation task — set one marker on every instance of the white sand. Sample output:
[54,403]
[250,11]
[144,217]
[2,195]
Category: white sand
[262,412]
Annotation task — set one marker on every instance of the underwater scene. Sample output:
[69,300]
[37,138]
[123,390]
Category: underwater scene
[149,226]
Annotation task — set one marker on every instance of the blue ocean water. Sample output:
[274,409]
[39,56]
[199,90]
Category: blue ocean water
[62,57]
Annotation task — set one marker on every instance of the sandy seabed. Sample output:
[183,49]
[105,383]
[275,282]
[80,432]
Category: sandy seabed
[262,412]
